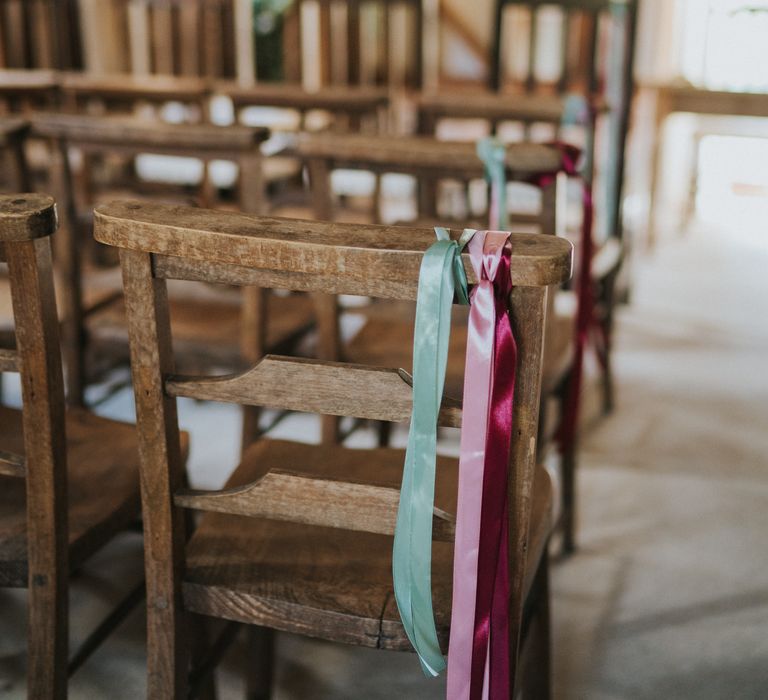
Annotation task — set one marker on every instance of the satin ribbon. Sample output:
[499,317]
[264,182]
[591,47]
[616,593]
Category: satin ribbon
[478,656]
[493,154]
[585,318]
[440,277]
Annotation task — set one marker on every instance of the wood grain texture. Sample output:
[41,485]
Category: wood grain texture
[417,154]
[99,451]
[323,582]
[314,248]
[333,98]
[25,217]
[134,87]
[9,360]
[330,388]
[294,497]
[130,132]
[162,473]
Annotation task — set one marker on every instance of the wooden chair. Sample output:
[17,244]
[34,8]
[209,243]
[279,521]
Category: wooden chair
[93,312]
[305,550]
[70,479]
[387,337]
[350,42]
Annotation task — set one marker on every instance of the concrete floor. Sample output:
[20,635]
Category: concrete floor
[667,596]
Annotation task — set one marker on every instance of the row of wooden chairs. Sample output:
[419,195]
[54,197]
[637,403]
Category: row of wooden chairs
[304,551]
[92,312]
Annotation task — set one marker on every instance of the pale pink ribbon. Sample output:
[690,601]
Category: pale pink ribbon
[485,250]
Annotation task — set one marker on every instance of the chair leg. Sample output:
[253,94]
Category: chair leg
[568,506]
[540,682]
[261,656]
[201,636]
[385,433]
[167,652]
[48,632]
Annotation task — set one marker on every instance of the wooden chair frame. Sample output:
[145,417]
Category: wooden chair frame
[26,223]
[157,244]
[130,137]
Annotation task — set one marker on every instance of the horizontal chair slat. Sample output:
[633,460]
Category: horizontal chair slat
[9,360]
[322,249]
[330,388]
[167,267]
[298,498]
[12,465]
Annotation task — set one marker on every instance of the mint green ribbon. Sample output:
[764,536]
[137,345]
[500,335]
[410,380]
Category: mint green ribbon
[494,156]
[440,277]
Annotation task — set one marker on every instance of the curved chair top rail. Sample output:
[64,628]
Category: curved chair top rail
[130,131]
[25,217]
[313,255]
[424,152]
[524,107]
[127,85]
[587,5]
[329,97]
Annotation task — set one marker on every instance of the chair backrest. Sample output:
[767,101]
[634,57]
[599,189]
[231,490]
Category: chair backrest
[179,37]
[356,42]
[13,132]
[128,137]
[158,243]
[580,34]
[39,34]
[427,159]
[26,222]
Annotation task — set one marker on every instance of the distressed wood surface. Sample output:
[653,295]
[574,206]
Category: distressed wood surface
[329,582]
[423,153]
[292,496]
[330,388]
[324,582]
[59,512]
[25,217]
[154,88]
[334,98]
[9,360]
[130,133]
[315,248]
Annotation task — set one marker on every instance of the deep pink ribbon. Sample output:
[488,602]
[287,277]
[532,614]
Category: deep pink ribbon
[478,656]
[585,315]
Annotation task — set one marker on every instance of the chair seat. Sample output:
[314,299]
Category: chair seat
[386,340]
[322,582]
[207,327]
[103,488]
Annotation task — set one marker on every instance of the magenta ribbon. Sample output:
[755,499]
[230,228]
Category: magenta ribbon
[585,314]
[478,654]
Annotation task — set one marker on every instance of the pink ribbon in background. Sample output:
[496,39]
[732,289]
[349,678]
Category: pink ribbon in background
[478,656]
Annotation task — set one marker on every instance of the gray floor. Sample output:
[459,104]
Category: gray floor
[668,594]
